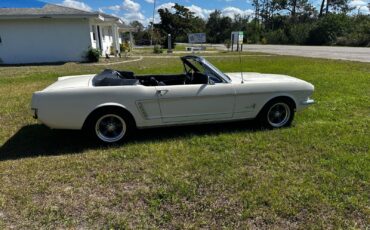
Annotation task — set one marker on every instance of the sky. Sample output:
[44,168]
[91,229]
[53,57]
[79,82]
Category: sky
[142,10]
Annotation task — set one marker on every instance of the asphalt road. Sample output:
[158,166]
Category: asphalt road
[328,52]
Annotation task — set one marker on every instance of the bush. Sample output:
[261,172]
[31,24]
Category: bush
[253,38]
[299,33]
[93,55]
[112,51]
[358,33]
[353,39]
[157,49]
[263,41]
[125,47]
[277,37]
[328,29]
[227,43]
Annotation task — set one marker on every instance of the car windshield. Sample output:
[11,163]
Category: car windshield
[203,66]
[217,71]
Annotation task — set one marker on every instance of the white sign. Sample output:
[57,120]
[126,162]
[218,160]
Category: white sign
[197,38]
[241,38]
[237,37]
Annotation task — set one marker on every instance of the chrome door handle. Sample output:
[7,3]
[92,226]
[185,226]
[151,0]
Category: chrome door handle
[162,92]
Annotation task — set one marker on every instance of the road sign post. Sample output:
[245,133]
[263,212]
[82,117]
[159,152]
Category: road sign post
[241,39]
[237,38]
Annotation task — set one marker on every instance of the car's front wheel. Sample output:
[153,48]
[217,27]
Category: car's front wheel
[277,113]
[110,126]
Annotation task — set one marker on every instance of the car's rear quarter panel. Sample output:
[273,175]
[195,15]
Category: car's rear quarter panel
[69,108]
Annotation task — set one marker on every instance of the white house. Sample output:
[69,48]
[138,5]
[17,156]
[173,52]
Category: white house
[53,33]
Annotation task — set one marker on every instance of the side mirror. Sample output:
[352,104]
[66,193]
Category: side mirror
[210,81]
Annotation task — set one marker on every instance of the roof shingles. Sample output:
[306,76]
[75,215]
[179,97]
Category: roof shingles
[48,10]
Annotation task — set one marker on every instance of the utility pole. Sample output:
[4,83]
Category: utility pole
[151,37]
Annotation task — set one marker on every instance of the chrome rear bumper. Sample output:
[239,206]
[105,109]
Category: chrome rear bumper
[34,113]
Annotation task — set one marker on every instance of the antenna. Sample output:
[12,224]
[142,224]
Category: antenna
[241,66]
[151,37]
[240,48]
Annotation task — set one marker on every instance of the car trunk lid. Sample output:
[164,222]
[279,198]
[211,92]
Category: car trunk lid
[69,82]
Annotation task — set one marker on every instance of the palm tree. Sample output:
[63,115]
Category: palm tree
[321,7]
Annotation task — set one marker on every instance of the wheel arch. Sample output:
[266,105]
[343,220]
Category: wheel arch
[263,112]
[108,106]
[277,97]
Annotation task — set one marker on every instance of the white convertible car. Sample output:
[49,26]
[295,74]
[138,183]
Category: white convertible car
[110,105]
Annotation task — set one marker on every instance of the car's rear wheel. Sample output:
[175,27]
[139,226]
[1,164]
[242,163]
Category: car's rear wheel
[277,113]
[112,126]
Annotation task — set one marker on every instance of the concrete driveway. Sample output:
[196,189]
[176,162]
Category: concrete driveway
[328,52]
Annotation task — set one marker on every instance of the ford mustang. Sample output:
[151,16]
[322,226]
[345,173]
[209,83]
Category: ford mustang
[111,104]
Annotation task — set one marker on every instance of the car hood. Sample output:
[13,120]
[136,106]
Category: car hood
[69,82]
[261,78]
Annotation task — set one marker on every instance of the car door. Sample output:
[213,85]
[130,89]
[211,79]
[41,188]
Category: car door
[196,102]
[147,105]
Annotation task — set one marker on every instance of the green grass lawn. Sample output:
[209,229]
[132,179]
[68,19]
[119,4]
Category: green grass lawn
[179,47]
[313,175]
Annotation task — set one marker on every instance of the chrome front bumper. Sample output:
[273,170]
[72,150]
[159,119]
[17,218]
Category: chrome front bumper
[309,101]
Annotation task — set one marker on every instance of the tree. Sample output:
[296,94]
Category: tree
[322,8]
[138,25]
[294,7]
[256,5]
[142,35]
[274,21]
[213,27]
[179,23]
[328,29]
[339,6]
[219,27]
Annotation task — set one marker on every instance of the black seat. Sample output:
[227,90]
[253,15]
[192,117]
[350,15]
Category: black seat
[199,78]
[117,82]
[111,77]
[153,81]
[126,74]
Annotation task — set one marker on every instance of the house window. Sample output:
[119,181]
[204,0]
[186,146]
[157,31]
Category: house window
[93,32]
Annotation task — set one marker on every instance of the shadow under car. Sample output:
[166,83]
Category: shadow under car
[39,140]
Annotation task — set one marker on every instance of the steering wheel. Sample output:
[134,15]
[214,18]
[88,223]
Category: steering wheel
[119,74]
[189,76]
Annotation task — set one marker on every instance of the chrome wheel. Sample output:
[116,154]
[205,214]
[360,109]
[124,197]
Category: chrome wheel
[278,115]
[110,128]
